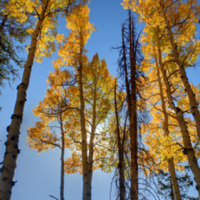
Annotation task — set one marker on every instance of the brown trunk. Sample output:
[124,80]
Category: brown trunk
[188,149]
[122,191]
[171,167]
[181,65]
[131,101]
[12,151]
[133,114]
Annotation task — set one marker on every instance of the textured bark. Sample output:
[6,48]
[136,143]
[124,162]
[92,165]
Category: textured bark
[122,191]
[129,64]
[171,167]
[188,149]
[12,151]
[181,65]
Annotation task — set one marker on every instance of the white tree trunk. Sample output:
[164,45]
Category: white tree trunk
[188,149]
[12,151]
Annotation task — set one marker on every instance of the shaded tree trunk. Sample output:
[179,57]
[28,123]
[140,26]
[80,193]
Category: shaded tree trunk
[133,112]
[122,191]
[12,151]
[128,65]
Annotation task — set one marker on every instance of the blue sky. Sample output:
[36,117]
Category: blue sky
[38,175]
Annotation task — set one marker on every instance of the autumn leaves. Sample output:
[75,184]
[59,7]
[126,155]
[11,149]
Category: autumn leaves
[82,96]
[169,47]
[77,101]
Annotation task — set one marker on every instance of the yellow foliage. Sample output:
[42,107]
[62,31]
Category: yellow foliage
[73,164]
[80,30]
[40,138]
[24,9]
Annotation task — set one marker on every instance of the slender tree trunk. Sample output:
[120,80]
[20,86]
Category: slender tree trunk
[86,190]
[122,191]
[191,95]
[171,167]
[175,187]
[62,172]
[188,149]
[86,193]
[133,114]
[12,151]
[131,101]
[93,129]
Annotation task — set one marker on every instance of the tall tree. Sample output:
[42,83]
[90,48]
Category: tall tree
[97,90]
[176,191]
[41,45]
[176,19]
[183,54]
[81,28]
[92,79]
[56,107]
[129,62]
[183,126]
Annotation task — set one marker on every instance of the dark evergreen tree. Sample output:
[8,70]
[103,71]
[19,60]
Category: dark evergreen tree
[12,35]
[165,185]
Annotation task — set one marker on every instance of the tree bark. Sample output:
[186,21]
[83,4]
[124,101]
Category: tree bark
[130,81]
[12,151]
[133,113]
[188,149]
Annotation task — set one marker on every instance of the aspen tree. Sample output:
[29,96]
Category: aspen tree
[55,107]
[176,19]
[129,61]
[186,23]
[91,82]
[176,191]
[182,124]
[45,11]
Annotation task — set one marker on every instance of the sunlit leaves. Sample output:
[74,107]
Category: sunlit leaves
[40,137]
[26,9]
[80,31]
